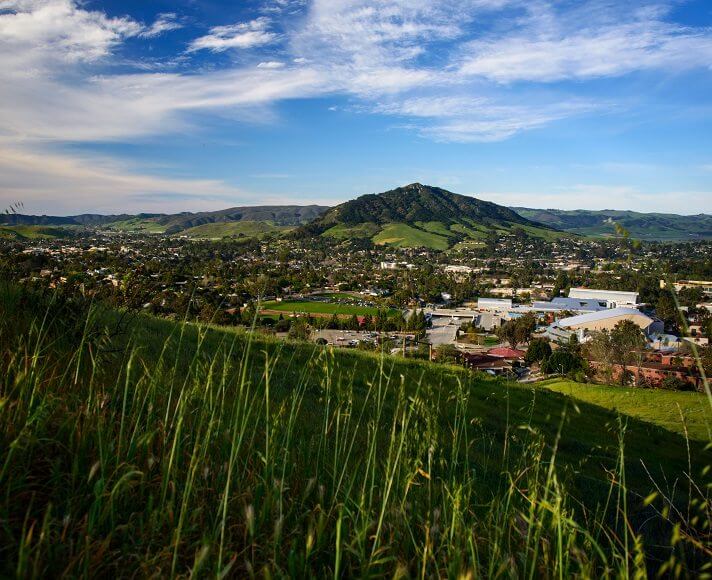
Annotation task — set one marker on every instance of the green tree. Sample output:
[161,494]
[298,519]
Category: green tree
[447,354]
[539,349]
[666,310]
[509,333]
[628,343]
[563,362]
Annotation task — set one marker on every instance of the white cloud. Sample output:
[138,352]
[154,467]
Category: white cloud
[273,64]
[243,36]
[436,64]
[164,23]
[467,119]
[583,45]
[34,33]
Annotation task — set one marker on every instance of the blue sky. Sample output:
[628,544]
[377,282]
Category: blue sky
[189,105]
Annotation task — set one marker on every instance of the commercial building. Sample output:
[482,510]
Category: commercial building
[612,298]
[561,304]
[584,324]
[704,285]
[498,304]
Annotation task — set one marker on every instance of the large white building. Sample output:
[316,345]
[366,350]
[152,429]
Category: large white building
[584,324]
[497,304]
[612,298]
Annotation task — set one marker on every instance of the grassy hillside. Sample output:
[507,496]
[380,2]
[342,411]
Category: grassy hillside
[281,215]
[137,224]
[405,236]
[224,230]
[23,232]
[131,445]
[644,226]
[676,411]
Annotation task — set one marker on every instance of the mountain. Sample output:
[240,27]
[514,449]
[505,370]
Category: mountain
[246,220]
[644,226]
[420,215]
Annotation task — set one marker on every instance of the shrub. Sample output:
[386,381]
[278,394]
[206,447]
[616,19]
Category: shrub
[672,383]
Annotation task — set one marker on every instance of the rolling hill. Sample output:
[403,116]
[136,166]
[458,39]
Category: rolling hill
[644,226]
[271,218]
[419,215]
[411,216]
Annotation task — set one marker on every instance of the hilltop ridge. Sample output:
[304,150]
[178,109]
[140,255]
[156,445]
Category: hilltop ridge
[420,215]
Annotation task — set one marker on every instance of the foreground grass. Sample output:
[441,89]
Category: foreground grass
[680,412]
[144,447]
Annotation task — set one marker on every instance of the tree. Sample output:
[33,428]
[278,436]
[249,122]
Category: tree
[508,333]
[447,354]
[563,362]
[706,361]
[666,310]
[676,384]
[526,325]
[517,331]
[299,329]
[628,343]
[539,349]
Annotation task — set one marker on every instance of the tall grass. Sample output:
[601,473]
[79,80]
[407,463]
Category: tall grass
[176,450]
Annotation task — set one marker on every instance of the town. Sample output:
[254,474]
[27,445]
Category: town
[596,310]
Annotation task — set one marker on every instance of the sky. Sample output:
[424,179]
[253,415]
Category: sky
[132,106]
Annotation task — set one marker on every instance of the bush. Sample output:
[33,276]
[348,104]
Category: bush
[676,384]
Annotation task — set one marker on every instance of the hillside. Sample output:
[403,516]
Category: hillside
[643,226]
[287,215]
[419,215]
[410,216]
[36,232]
[274,217]
[139,446]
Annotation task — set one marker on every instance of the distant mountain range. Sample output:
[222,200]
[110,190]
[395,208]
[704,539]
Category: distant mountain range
[411,216]
[643,226]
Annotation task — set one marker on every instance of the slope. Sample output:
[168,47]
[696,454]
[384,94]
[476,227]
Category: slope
[142,444]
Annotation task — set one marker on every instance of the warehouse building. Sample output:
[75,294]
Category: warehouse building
[584,324]
[612,298]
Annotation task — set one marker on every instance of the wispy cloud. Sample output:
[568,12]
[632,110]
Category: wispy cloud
[585,44]
[243,35]
[48,181]
[478,119]
[165,22]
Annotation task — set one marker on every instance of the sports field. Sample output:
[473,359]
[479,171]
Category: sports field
[313,307]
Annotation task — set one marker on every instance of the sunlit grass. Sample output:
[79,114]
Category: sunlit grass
[145,447]
[674,410]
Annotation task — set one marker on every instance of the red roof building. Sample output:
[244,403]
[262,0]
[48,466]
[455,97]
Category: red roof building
[506,353]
